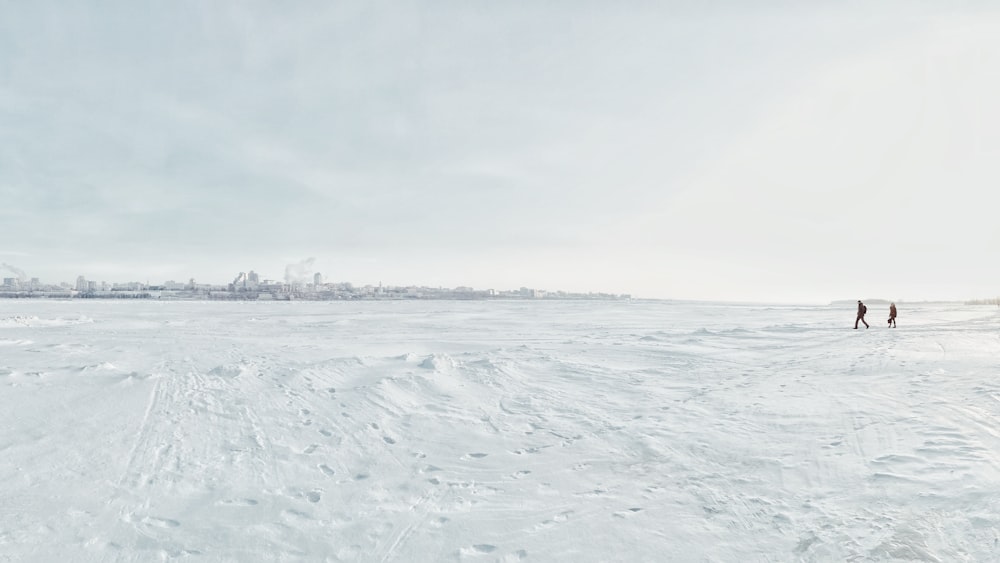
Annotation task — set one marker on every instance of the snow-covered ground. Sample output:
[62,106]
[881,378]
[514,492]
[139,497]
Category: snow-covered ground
[497,431]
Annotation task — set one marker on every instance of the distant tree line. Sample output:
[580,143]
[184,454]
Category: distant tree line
[990,301]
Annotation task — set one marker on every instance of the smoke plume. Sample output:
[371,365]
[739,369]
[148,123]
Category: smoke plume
[17,271]
[301,272]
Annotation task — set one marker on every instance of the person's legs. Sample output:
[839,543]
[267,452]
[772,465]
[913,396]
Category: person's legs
[856,322]
[864,321]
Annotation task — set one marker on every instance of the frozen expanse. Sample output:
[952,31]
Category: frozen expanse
[497,431]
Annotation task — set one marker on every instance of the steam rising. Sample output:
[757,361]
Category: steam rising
[17,271]
[299,273]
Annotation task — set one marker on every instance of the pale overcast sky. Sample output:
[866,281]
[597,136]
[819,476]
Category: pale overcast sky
[694,150]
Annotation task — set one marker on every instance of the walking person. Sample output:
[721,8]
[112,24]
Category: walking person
[892,315]
[861,314]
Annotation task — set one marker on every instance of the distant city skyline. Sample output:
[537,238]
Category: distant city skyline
[296,275]
[764,151]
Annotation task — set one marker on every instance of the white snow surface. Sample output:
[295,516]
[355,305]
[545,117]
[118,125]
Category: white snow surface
[497,431]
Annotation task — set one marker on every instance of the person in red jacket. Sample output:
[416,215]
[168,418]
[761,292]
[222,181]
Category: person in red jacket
[892,315]
[861,314]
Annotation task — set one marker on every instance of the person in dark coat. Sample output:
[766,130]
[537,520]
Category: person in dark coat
[892,315]
[861,314]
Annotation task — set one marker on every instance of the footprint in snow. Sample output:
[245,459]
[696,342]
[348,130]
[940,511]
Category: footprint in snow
[239,502]
[478,549]
[161,522]
[292,514]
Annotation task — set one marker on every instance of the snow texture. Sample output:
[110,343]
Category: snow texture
[497,431]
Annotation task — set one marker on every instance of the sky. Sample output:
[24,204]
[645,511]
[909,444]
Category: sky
[779,151]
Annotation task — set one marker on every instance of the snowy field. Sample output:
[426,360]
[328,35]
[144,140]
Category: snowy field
[497,431]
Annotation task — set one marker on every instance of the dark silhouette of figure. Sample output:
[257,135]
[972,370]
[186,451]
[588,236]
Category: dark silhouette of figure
[861,314]
[892,315]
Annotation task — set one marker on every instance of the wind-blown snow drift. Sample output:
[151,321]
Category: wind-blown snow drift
[496,431]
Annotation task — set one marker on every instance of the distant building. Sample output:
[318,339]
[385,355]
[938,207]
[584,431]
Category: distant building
[317,279]
[245,282]
[81,283]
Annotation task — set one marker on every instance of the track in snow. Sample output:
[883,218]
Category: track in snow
[495,431]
